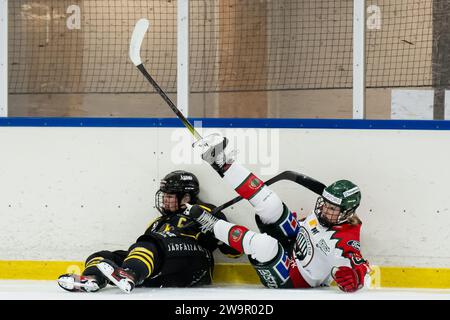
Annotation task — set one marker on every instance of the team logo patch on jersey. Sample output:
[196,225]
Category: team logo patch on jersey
[313,226]
[282,267]
[354,244]
[304,249]
[313,223]
[322,245]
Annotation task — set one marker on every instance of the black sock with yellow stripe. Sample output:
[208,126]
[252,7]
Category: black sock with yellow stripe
[94,259]
[142,258]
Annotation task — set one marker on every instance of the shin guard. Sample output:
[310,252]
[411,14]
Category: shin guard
[275,273]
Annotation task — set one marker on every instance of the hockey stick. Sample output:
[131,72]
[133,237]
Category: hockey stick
[135,55]
[308,182]
[137,38]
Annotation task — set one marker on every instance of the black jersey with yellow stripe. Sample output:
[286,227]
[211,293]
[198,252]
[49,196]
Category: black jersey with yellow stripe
[181,226]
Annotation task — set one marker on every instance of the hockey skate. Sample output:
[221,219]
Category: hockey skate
[212,148]
[124,279]
[205,219]
[76,283]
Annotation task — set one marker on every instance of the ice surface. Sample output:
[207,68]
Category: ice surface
[49,290]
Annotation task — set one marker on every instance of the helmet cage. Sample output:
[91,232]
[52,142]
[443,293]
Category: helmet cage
[159,202]
[343,216]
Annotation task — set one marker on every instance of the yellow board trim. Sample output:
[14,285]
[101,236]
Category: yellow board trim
[38,270]
[411,277]
[236,273]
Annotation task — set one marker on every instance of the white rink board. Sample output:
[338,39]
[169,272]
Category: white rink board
[67,192]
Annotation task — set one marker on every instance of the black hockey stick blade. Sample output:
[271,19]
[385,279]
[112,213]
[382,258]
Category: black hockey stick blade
[299,178]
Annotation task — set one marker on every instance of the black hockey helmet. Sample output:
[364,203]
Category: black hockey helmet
[179,183]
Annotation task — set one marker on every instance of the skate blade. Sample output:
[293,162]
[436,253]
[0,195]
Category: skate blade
[68,283]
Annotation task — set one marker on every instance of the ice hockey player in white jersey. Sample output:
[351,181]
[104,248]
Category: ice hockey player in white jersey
[290,253]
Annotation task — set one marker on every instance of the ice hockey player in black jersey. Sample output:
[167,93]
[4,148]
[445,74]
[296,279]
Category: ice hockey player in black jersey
[173,252]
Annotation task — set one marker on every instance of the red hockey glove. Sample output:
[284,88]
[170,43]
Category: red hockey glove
[346,278]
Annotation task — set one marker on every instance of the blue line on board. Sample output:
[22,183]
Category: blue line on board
[229,123]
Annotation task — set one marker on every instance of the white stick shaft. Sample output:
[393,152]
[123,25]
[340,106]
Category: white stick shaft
[136,40]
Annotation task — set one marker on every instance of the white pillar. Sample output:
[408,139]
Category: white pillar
[359,72]
[183,57]
[3,58]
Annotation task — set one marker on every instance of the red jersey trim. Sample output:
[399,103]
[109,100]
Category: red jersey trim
[297,279]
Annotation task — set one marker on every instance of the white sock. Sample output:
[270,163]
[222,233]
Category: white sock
[236,174]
